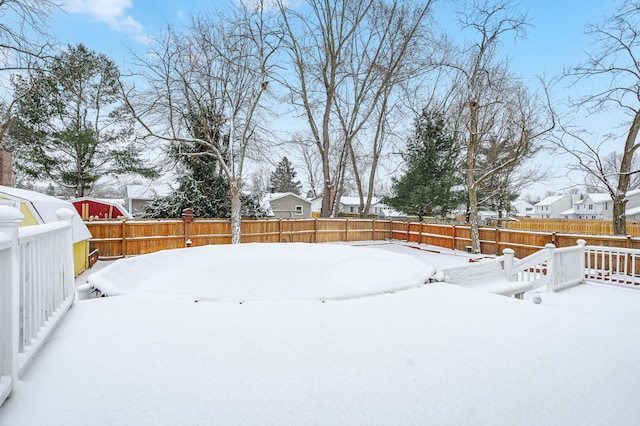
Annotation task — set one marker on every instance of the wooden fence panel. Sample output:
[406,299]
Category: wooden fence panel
[361,229]
[570,226]
[298,231]
[399,231]
[567,240]
[463,238]
[438,235]
[331,230]
[258,231]
[522,242]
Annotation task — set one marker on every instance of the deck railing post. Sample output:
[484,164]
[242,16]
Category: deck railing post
[581,257]
[508,255]
[66,215]
[551,266]
[10,219]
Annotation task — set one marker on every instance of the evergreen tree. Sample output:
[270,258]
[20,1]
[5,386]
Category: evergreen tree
[201,185]
[282,179]
[431,161]
[70,124]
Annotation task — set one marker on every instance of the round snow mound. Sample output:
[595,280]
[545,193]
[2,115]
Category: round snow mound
[262,271]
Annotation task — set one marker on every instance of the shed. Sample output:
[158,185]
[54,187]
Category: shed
[39,208]
[99,208]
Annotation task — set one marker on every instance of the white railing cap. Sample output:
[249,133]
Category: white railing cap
[10,215]
[65,214]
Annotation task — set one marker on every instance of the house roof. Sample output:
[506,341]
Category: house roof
[277,195]
[550,200]
[597,197]
[148,191]
[632,211]
[118,203]
[568,212]
[44,208]
[355,201]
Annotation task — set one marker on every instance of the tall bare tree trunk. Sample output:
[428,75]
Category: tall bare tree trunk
[235,213]
[471,181]
[624,177]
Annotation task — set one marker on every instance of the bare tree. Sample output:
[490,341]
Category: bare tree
[493,106]
[218,70]
[23,45]
[346,55]
[614,66]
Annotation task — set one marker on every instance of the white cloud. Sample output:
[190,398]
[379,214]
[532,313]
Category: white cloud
[111,12]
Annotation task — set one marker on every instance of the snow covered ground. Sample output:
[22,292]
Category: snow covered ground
[431,354]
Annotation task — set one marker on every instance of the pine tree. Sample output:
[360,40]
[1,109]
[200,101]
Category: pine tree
[282,179]
[431,161]
[70,124]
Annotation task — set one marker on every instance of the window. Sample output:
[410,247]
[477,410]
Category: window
[590,206]
[299,210]
[352,209]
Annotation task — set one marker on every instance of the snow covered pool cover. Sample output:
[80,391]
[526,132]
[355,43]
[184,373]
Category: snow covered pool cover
[265,271]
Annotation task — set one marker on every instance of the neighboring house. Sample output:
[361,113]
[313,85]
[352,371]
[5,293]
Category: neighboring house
[391,214]
[138,196]
[554,207]
[633,214]
[99,208]
[287,205]
[316,206]
[351,205]
[599,206]
[521,208]
[594,206]
[633,199]
[39,208]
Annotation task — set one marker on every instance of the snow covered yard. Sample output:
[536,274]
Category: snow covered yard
[431,354]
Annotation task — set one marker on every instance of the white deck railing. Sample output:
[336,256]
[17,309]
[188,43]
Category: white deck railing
[557,268]
[36,288]
[613,265]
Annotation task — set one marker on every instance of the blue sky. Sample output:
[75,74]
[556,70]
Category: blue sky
[110,26]
[556,38]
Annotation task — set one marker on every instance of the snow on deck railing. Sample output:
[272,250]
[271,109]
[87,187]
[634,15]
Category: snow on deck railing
[36,288]
[557,268]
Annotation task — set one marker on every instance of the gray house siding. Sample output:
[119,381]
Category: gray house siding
[290,207]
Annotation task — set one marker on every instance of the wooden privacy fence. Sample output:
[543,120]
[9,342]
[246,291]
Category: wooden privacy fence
[121,238]
[570,226]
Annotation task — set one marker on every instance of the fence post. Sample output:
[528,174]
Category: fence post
[373,229]
[551,267]
[10,219]
[315,230]
[123,231]
[454,238]
[346,230]
[508,262]
[279,230]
